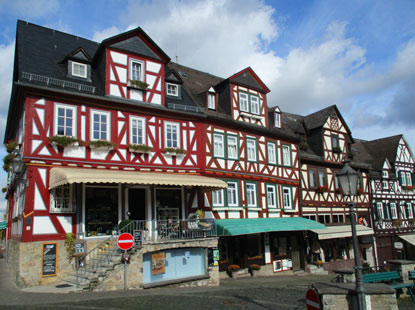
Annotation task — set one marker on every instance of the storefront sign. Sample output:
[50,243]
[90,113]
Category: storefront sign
[49,254]
[138,238]
[398,245]
[158,263]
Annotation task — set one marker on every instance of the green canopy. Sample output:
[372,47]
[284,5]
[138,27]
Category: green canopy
[234,227]
[3,225]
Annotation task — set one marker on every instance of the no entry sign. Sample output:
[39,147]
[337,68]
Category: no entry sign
[125,241]
[312,300]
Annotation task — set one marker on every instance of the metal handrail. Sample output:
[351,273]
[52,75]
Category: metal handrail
[57,82]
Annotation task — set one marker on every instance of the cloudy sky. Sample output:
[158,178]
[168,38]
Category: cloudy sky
[357,54]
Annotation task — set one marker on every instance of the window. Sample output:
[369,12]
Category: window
[79,70]
[402,213]
[272,153]
[393,210]
[172,90]
[286,198]
[409,211]
[286,155]
[271,196]
[65,120]
[137,130]
[322,179]
[251,200]
[254,104]
[385,174]
[217,198]
[61,200]
[334,141]
[402,178]
[218,145]
[136,70]
[232,194]
[277,120]
[408,179]
[243,102]
[100,125]
[312,178]
[379,209]
[232,143]
[211,101]
[338,218]
[385,184]
[251,149]
[336,182]
[324,218]
[171,134]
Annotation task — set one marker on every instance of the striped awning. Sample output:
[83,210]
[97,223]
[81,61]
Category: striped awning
[60,176]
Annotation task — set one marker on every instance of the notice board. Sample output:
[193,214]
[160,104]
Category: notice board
[49,255]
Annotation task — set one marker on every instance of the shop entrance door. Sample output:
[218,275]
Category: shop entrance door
[137,203]
[295,253]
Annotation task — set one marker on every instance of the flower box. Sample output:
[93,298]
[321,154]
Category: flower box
[338,191]
[174,151]
[322,189]
[137,84]
[139,148]
[64,141]
[101,145]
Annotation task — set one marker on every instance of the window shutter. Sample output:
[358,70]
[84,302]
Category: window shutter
[407,207]
[413,178]
[386,211]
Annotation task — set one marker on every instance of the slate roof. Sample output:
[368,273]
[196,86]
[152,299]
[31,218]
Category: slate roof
[380,149]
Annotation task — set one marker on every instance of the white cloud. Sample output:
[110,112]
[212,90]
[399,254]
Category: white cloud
[32,9]
[106,33]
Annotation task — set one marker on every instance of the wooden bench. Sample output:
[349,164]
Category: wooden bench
[391,277]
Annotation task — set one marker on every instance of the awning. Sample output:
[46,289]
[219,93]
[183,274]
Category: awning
[60,176]
[408,238]
[234,227]
[3,225]
[342,231]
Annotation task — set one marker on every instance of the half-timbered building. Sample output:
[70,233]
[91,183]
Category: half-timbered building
[393,197]
[248,147]
[326,142]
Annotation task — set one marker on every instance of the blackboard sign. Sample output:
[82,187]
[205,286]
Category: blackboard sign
[79,248]
[49,254]
[138,238]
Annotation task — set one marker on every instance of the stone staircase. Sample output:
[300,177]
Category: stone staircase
[312,269]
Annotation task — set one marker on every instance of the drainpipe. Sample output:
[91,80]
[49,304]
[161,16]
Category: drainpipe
[375,251]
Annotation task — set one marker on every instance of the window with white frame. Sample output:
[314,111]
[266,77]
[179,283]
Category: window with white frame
[385,174]
[402,213]
[217,198]
[336,182]
[232,194]
[172,89]
[277,122]
[100,125]
[402,178]
[393,210]
[243,102]
[171,135]
[251,200]
[408,179]
[232,144]
[312,178]
[62,199]
[79,69]
[218,145]
[287,198]
[322,179]
[379,209]
[286,155]
[251,149]
[338,218]
[254,104]
[385,184]
[272,153]
[137,130]
[65,120]
[136,70]
[409,211]
[211,101]
[271,196]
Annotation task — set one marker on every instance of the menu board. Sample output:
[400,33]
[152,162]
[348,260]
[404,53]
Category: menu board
[138,241]
[49,254]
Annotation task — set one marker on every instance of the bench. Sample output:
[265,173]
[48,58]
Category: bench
[392,277]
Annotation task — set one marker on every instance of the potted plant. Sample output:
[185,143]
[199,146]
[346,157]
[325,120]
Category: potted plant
[173,151]
[303,146]
[138,84]
[254,268]
[101,144]
[337,150]
[338,191]
[322,189]
[63,141]
[233,269]
[319,263]
[139,148]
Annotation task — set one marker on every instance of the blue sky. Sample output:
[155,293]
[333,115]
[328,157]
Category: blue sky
[357,54]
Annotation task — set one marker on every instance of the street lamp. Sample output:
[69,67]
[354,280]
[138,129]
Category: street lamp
[18,165]
[348,182]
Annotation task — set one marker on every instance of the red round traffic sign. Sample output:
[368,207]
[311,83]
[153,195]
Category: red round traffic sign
[125,241]
[312,300]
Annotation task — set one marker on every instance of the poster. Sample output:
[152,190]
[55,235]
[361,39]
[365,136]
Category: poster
[158,263]
[215,257]
[49,254]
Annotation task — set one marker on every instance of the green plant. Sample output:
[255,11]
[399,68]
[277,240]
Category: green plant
[11,146]
[69,242]
[303,146]
[254,267]
[200,214]
[338,191]
[174,150]
[233,268]
[7,161]
[124,223]
[337,150]
[138,84]
[101,143]
[140,148]
[63,140]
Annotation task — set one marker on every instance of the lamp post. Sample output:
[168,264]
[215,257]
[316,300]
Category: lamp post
[348,183]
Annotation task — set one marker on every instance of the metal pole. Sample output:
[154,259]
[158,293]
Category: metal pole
[360,291]
[125,270]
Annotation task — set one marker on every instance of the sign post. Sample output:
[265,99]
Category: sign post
[125,242]
[312,300]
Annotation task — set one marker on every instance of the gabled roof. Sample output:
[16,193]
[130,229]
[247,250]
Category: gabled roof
[381,149]
[80,54]
[319,118]
[138,42]
[247,77]
[172,76]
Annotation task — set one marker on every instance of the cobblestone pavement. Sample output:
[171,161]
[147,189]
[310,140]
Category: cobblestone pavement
[275,292]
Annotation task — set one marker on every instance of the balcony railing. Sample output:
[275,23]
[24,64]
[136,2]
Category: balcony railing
[396,224]
[56,82]
[159,231]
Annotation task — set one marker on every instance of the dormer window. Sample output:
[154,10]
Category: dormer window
[254,104]
[136,70]
[385,174]
[249,103]
[277,119]
[211,97]
[79,69]
[172,89]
